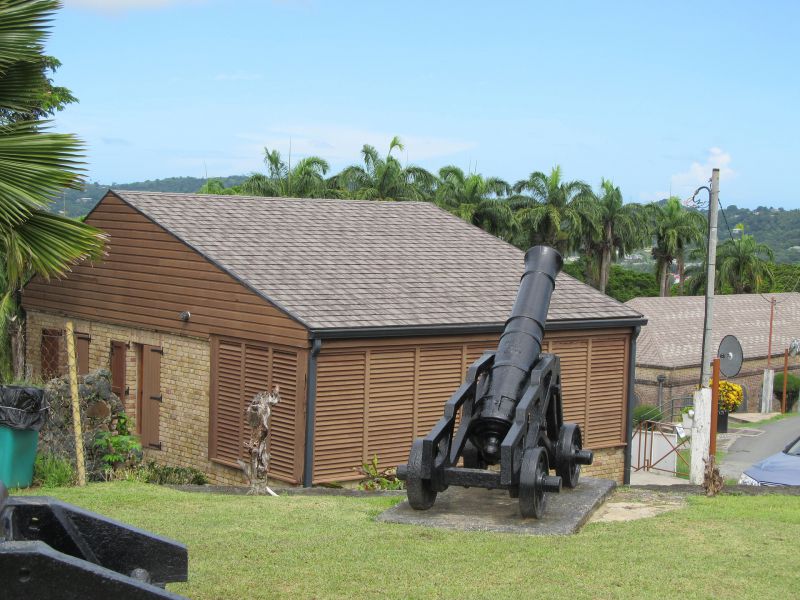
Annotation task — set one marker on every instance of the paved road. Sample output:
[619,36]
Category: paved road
[748,450]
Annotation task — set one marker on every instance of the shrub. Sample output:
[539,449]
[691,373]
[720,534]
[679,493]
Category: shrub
[730,396]
[792,389]
[647,412]
[166,475]
[52,471]
[117,450]
[376,478]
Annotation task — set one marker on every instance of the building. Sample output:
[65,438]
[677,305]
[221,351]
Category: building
[367,314]
[670,346]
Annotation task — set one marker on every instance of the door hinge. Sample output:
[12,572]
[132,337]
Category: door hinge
[127,390]
[159,350]
[155,445]
[158,397]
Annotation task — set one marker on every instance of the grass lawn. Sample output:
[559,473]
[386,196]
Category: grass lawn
[319,547]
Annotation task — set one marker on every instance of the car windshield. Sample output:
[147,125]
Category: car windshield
[794,448]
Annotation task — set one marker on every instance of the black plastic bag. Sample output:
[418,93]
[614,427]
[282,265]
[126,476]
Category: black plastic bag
[22,407]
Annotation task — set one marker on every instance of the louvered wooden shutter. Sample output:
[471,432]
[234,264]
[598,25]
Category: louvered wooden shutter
[282,422]
[390,425]
[242,370]
[607,392]
[574,355]
[227,410]
[339,418]
[440,374]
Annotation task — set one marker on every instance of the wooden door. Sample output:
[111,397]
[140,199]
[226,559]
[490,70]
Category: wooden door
[150,396]
[119,352]
[82,352]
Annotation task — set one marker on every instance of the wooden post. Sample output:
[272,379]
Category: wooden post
[76,408]
[785,377]
[712,443]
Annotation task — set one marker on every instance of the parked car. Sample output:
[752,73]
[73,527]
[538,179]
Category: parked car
[779,469]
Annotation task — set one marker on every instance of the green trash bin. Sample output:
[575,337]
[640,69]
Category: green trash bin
[22,413]
[17,456]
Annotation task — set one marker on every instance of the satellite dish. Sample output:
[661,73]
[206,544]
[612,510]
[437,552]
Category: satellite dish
[730,356]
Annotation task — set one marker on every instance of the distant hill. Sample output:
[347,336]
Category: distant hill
[78,203]
[777,227]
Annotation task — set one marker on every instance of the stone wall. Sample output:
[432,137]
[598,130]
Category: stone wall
[609,463]
[683,382]
[185,368]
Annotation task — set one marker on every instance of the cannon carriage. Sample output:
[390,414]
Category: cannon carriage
[508,412]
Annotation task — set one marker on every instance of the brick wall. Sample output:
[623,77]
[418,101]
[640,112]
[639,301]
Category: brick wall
[683,382]
[609,463]
[185,366]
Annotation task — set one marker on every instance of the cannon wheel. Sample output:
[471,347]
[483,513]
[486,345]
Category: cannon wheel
[420,494]
[531,483]
[472,457]
[569,442]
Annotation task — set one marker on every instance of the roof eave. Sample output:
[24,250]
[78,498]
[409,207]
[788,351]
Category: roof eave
[333,333]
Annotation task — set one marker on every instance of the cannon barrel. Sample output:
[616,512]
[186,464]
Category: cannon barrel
[517,352]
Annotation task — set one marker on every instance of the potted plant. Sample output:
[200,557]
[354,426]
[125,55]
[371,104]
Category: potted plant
[730,397]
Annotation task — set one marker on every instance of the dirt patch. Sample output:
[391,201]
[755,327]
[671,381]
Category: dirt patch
[629,504]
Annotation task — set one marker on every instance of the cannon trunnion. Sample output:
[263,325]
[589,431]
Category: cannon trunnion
[510,413]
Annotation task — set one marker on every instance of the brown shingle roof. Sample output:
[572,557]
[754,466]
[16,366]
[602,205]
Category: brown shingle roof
[350,264]
[673,336]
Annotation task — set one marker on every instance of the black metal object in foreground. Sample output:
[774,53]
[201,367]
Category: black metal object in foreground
[510,413]
[50,549]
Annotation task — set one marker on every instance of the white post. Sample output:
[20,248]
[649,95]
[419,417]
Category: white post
[766,390]
[701,435]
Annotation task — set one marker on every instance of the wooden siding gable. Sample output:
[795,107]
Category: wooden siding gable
[150,276]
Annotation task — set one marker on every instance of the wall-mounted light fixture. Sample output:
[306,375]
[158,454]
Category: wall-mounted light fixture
[185,316]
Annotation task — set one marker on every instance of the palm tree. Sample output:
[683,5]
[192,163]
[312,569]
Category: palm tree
[476,200]
[305,180]
[744,264]
[553,212]
[696,274]
[675,228]
[34,166]
[621,229]
[385,178]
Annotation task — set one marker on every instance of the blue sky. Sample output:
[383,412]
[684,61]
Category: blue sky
[650,95]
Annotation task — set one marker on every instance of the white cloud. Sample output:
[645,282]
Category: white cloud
[120,5]
[699,173]
[343,144]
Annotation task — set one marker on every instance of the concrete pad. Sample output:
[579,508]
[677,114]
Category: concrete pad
[655,478]
[751,417]
[477,509]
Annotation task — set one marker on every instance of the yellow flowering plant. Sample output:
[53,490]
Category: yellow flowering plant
[730,396]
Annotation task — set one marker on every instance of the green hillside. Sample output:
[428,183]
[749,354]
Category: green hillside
[777,227]
[80,202]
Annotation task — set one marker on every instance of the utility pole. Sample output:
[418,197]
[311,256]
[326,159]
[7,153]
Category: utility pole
[705,368]
[702,431]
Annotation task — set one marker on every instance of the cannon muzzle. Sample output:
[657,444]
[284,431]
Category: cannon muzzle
[517,353]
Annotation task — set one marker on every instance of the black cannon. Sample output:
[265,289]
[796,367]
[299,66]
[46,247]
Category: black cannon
[50,549]
[507,412]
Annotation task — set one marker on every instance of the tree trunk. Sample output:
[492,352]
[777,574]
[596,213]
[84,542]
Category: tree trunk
[680,273]
[662,278]
[605,268]
[18,351]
